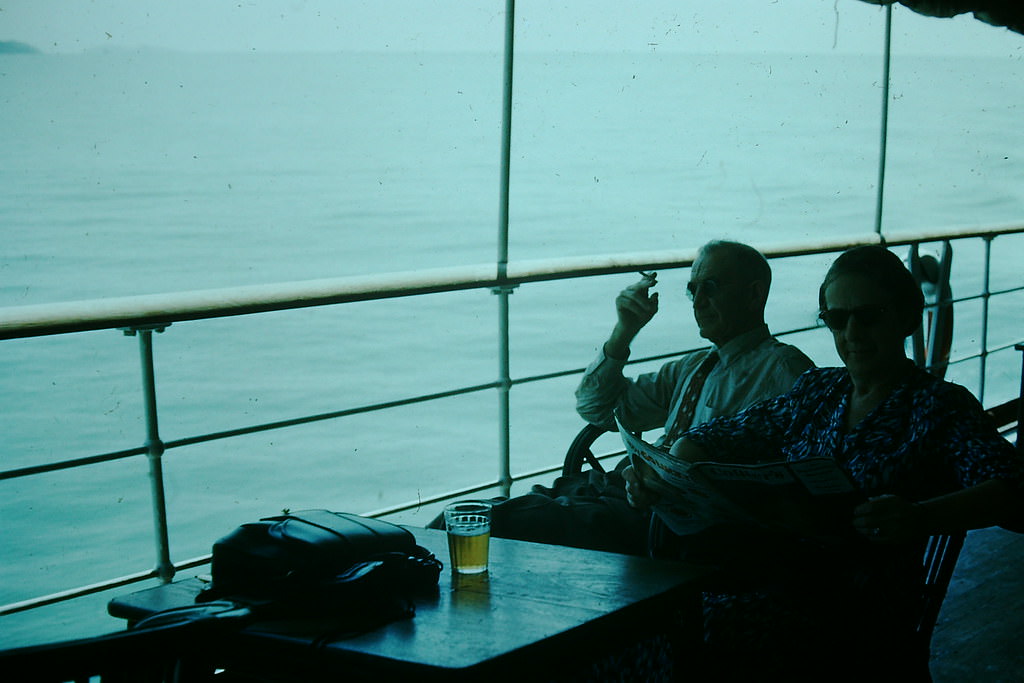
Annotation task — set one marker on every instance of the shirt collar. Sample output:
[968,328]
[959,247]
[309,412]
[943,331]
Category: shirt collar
[743,343]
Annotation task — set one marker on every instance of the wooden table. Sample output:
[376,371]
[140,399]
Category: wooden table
[541,610]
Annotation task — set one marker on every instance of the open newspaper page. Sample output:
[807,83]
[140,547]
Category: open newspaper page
[685,502]
[812,498]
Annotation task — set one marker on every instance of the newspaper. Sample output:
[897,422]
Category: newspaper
[811,498]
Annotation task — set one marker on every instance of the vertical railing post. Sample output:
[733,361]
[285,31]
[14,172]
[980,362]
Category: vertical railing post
[883,145]
[985,295]
[1020,402]
[154,450]
[503,290]
[504,388]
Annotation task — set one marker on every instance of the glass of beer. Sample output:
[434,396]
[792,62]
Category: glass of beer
[469,534]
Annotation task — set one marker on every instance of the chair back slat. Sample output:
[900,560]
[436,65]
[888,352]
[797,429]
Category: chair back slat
[940,557]
[580,452]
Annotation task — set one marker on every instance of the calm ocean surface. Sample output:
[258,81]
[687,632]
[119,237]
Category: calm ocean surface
[148,172]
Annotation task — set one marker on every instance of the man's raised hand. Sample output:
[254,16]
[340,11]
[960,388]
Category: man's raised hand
[636,305]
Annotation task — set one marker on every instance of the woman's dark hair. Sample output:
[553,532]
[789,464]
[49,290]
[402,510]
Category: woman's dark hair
[885,268]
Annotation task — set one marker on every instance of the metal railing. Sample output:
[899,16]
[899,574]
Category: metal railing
[144,315]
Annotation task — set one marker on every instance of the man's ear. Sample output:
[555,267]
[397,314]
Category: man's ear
[758,295]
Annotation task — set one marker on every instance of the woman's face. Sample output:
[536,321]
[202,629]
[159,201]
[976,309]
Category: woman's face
[867,329]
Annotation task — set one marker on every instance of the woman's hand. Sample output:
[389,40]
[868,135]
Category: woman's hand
[890,519]
[893,519]
[688,451]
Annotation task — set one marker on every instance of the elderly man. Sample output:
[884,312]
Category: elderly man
[729,285]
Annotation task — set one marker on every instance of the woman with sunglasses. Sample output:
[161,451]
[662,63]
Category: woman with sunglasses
[922,451]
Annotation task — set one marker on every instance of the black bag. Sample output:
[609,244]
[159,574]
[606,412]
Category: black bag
[347,574]
[322,559]
[356,573]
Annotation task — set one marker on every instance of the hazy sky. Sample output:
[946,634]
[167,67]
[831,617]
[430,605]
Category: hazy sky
[325,25]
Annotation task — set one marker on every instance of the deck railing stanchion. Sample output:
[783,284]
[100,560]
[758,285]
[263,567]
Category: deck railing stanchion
[986,294]
[154,450]
[504,388]
[884,134]
[503,290]
[1020,401]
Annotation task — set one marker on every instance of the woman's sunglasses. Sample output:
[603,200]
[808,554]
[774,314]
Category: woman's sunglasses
[837,318]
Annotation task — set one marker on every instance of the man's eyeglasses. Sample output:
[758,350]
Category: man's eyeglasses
[709,288]
[837,318]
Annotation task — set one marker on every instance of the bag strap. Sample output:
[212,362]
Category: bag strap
[225,612]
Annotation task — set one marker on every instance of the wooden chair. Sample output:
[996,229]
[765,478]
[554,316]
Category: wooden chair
[581,452]
[940,556]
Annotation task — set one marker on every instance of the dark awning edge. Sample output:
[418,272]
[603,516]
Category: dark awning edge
[1007,13]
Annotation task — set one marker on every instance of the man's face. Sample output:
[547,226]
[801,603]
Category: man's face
[723,304]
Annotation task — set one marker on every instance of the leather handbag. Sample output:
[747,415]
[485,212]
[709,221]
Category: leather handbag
[338,573]
[321,558]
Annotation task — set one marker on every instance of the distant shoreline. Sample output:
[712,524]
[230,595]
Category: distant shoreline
[13,47]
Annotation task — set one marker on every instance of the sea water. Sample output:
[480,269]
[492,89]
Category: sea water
[147,172]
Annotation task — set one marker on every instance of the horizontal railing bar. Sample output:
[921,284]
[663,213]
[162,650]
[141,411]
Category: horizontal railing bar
[450,495]
[92,589]
[441,497]
[200,560]
[974,297]
[975,356]
[188,441]
[940,234]
[69,464]
[579,371]
[645,359]
[279,424]
[155,310]
[395,509]
[117,455]
[240,431]
[999,292]
[475,488]
[73,593]
[1004,347]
